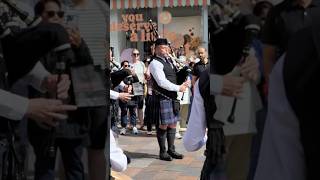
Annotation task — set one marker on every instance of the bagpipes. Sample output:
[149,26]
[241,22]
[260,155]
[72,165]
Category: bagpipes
[23,47]
[113,64]
[24,16]
[30,42]
[118,75]
[252,30]
[221,15]
[183,71]
[233,25]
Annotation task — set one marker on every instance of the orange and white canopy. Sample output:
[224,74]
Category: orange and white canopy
[135,4]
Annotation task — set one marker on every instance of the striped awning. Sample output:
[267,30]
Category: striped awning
[127,4]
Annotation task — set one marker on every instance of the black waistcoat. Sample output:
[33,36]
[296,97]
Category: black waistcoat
[170,74]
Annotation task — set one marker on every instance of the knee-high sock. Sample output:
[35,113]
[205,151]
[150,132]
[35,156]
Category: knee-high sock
[161,136]
[171,135]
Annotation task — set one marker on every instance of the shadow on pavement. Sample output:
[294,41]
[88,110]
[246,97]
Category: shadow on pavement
[136,155]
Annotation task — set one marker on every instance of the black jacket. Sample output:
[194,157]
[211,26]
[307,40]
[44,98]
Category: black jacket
[301,74]
[78,122]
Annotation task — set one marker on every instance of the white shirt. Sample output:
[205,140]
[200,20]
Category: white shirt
[245,112]
[120,87]
[139,69]
[13,106]
[216,87]
[156,70]
[36,76]
[149,82]
[195,136]
[118,159]
[114,95]
[281,155]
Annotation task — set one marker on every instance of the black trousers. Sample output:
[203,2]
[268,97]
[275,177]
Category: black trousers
[71,153]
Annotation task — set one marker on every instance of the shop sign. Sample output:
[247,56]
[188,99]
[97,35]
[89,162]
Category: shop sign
[136,27]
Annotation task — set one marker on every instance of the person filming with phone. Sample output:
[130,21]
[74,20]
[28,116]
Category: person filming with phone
[132,104]
[71,135]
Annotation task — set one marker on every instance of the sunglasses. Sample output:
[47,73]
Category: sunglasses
[51,14]
[135,54]
[126,65]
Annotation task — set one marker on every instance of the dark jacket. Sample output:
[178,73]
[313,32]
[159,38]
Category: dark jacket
[78,122]
[301,72]
[215,146]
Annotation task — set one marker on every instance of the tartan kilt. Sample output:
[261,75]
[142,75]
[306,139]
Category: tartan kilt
[161,111]
[114,106]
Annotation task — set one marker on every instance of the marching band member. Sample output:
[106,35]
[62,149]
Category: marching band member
[164,95]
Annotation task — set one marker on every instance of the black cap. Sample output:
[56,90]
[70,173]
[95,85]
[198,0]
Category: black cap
[161,41]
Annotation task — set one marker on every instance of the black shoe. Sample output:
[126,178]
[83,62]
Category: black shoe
[128,158]
[175,155]
[165,157]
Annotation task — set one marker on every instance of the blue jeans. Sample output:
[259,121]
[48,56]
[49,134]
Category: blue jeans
[124,117]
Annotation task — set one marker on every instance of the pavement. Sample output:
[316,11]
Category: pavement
[146,165]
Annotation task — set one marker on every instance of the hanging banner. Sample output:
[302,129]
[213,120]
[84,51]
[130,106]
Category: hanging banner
[136,27]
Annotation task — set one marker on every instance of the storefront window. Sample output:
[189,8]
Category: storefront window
[131,27]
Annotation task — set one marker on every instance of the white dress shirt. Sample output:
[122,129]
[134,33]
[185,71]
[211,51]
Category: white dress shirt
[216,87]
[118,159]
[13,106]
[36,76]
[114,95]
[120,87]
[195,136]
[156,70]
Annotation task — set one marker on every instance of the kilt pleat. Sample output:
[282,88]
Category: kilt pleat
[154,111]
[148,111]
